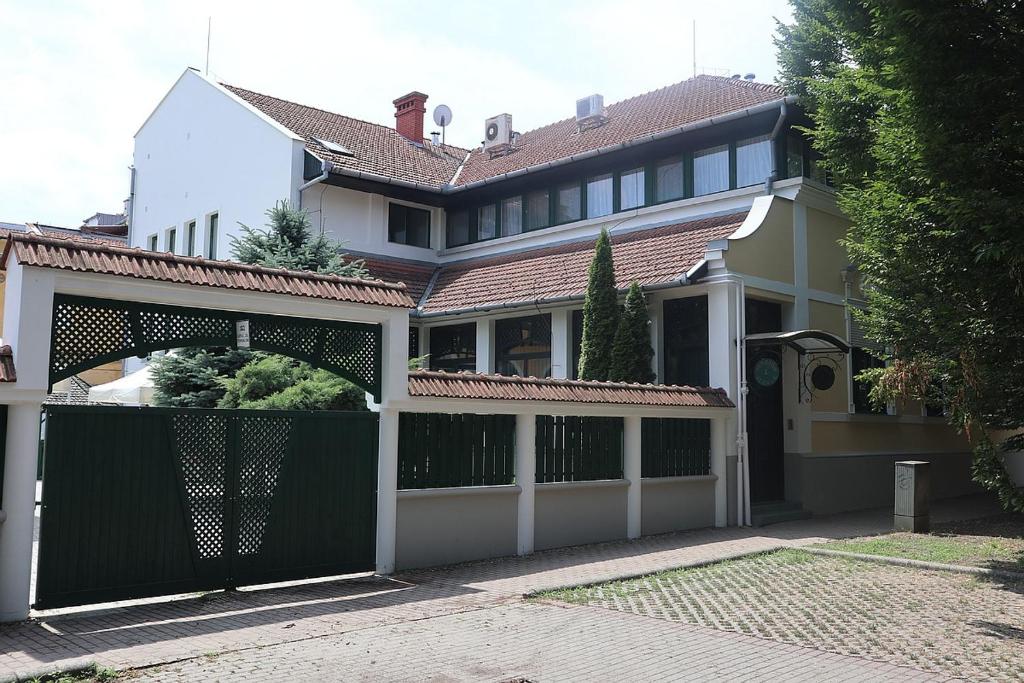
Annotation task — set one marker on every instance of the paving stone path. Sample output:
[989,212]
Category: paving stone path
[271,630]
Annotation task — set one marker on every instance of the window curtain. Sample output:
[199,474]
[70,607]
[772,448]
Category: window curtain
[711,170]
[537,210]
[512,216]
[753,161]
[668,181]
[486,227]
[599,196]
[631,189]
[568,206]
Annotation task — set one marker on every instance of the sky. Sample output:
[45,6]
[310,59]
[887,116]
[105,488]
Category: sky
[78,79]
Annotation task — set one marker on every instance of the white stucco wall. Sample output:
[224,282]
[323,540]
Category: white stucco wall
[204,151]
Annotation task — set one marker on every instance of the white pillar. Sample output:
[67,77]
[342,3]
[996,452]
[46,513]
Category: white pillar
[387,490]
[654,310]
[632,472]
[485,345]
[395,384]
[718,468]
[526,476]
[19,508]
[561,339]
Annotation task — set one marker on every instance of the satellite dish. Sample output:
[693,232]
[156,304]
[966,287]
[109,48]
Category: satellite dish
[442,115]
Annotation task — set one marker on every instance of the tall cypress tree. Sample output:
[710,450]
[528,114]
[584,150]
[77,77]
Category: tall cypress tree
[600,313]
[632,352]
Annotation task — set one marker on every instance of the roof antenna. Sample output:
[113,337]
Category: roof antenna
[694,48]
[209,22]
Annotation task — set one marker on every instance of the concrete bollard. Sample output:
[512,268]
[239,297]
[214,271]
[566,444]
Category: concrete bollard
[912,492]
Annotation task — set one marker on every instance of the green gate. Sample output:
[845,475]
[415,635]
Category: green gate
[139,502]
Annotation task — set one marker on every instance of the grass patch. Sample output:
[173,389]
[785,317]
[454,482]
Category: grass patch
[963,550]
[88,675]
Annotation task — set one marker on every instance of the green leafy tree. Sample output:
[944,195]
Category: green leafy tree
[918,110]
[280,383]
[600,313]
[288,242]
[200,378]
[190,378]
[632,352]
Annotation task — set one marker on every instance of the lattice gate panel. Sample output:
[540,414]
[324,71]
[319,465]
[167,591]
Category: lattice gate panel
[165,329]
[262,447]
[201,442]
[84,331]
[352,350]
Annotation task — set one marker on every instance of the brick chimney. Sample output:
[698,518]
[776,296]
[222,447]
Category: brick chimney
[409,111]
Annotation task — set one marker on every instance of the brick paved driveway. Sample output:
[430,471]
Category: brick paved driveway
[314,621]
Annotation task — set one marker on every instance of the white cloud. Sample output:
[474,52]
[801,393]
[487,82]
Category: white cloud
[77,79]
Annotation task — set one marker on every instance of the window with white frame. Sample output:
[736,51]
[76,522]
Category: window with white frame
[190,238]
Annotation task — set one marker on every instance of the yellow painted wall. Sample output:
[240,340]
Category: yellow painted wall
[768,251]
[882,435]
[104,373]
[826,258]
[831,318]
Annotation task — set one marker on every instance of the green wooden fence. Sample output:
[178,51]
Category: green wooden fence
[437,450]
[675,447]
[578,448]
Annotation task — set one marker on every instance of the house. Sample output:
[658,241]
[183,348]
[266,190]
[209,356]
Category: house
[716,206]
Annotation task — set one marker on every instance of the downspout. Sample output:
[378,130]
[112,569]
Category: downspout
[742,460]
[325,170]
[770,180]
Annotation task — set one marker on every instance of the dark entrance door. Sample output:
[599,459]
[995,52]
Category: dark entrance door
[765,441]
[140,502]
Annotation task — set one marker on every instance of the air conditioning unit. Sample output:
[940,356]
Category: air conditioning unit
[590,107]
[498,131]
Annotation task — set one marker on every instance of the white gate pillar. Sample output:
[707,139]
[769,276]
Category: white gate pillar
[561,341]
[395,384]
[19,508]
[485,345]
[526,477]
[632,472]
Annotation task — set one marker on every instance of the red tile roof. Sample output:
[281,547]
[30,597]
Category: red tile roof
[380,150]
[651,256]
[7,372]
[91,256]
[464,385]
[376,149]
[415,276]
[670,107]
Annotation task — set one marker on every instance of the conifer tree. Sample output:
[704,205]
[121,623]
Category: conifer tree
[600,313]
[631,351]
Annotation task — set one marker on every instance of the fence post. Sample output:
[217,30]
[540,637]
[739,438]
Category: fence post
[526,476]
[387,490]
[19,481]
[719,469]
[632,472]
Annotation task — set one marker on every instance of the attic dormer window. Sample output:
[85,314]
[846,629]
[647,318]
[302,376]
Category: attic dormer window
[335,147]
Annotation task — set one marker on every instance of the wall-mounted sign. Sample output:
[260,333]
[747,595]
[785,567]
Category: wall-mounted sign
[242,334]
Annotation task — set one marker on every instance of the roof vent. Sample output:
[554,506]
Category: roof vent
[589,108]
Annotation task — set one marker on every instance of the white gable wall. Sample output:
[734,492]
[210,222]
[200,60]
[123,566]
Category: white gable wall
[203,151]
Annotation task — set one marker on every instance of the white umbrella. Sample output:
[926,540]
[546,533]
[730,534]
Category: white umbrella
[133,389]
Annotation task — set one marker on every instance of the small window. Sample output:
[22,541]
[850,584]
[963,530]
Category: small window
[453,347]
[487,222]
[172,235]
[152,242]
[408,225]
[511,216]
[457,232]
[711,170]
[211,243]
[631,189]
[537,210]
[522,346]
[753,161]
[599,196]
[668,180]
[190,238]
[862,360]
[567,206]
